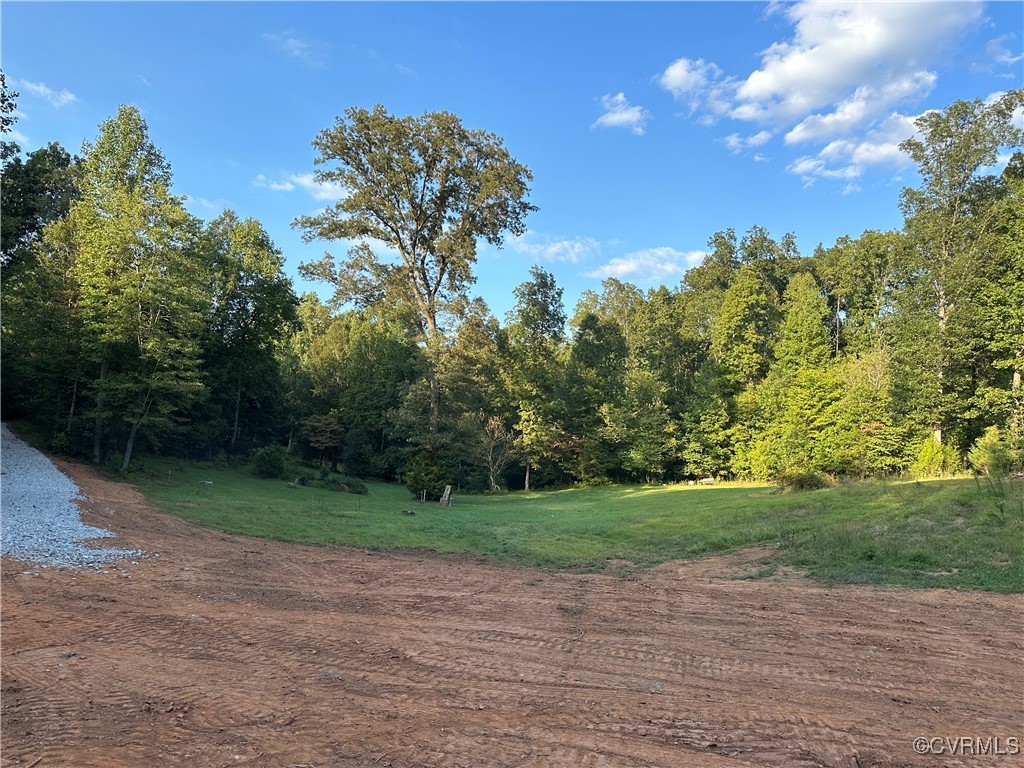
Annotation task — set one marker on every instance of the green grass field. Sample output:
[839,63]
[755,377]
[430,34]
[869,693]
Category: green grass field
[952,533]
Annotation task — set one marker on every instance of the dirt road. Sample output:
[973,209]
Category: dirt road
[228,651]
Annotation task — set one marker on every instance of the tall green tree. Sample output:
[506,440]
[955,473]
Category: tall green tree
[705,285]
[141,277]
[252,310]
[426,187]
[640,425]
[861,279]
[360,370]
[794,402]
[593,383]
[8,116]
[803,336]
[535,332]
[1001,309]
[948,219]
[744,329]
[44,372]
[35,192]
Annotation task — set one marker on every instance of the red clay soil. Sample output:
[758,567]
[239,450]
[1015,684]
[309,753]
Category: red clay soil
[230,651]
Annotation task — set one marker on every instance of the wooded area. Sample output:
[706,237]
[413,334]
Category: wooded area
[130,324]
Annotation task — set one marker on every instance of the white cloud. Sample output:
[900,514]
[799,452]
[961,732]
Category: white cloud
[305,181]
[544,248]
[810,169]
[865,104]
[849,158]
[736,143]
[319,190]
[650,266]
[18,137]
[277,186]
[838,82]
[619,113]
[1000,54]
[688,78]
[840,47]
[57,99]
[293,46]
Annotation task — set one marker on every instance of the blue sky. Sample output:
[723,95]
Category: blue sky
[648,126]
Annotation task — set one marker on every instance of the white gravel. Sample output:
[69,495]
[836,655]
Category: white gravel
[39,519]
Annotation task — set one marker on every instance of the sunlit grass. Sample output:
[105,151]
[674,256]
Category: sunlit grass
[951,533]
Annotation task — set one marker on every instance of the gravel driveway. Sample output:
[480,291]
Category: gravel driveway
[39,519]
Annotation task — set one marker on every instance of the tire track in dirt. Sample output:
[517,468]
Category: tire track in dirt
[234,651]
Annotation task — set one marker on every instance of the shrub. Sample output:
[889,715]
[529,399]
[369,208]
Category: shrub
[801,481]
[342,483]
[60,444]
[935,460]
[426,473]
[269,462]
[990,454]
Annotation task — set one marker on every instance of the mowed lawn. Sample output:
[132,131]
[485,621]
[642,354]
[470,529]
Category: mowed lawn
[950,533]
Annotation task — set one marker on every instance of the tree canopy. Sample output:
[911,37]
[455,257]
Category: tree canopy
[129,324]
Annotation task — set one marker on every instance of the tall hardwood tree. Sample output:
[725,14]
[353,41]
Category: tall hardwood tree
[252,308]
[427,188]
[36,191]
[141,280]
[946,216]
[8,116]
[535,330]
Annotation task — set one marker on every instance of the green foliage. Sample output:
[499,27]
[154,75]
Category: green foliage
[426,473]
[803,336]
[935,459]
[990,455]
[801,481]
[252,310]
[427,187]
[268,462]
[342,483]
[36,192]
[128,325]
[531,365]
[743,331]
[8,116]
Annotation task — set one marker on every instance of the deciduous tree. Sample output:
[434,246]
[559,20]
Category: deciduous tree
[426,187]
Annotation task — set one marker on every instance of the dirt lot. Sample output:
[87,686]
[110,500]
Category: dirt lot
[228,651]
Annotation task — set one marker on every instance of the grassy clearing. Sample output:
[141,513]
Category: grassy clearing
[952,533]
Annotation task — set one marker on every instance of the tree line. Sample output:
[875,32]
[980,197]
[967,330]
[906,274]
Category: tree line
[128,323]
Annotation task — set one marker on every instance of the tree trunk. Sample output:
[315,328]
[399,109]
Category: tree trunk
[128,448]
[147,402]
[433,355]
[526,486]
[435,401]
[334,459]
[940,372]
[97,441]
[238,403]
[74,398]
